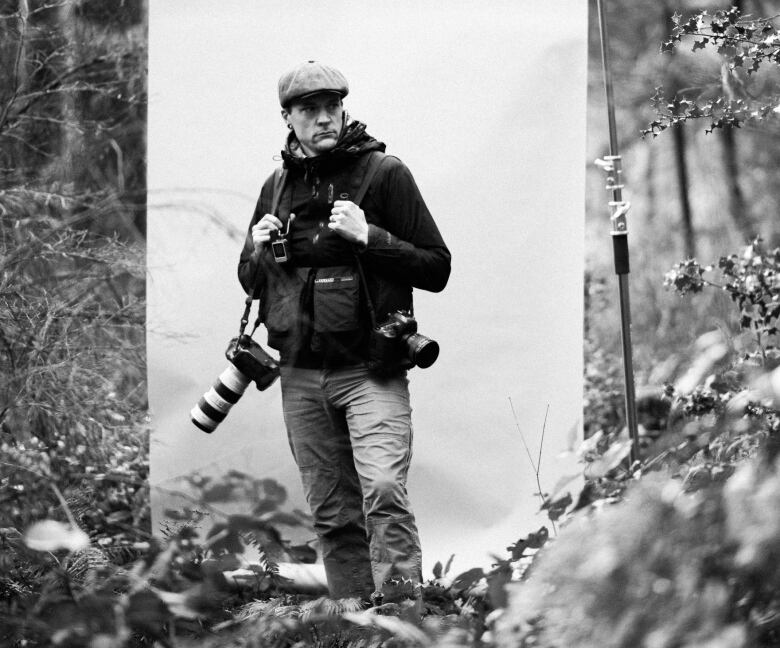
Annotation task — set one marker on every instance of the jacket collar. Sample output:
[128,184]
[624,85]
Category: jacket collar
[352,143]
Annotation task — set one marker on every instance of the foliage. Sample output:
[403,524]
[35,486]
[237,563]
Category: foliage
[664,568]
[702,426]
[184,593]
[746,46]
[752,280]
[73,109]
[677,528]
[74,441]
[261,524]
[603,400]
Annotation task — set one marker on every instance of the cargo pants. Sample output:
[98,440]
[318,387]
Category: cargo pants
[351,435]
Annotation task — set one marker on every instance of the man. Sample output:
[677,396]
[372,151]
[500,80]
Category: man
[326,270]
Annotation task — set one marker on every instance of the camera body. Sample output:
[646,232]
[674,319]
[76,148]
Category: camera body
[252,361]
[248,363]
[396,344]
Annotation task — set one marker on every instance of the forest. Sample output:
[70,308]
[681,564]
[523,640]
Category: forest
[672,540]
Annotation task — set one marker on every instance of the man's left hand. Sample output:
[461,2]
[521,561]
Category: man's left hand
[349,221]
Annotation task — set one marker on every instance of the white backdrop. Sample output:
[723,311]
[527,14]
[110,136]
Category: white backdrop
[485,102]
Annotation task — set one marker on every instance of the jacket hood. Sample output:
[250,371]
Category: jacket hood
[352,143]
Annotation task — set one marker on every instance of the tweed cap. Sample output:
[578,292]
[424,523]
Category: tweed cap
[310,78]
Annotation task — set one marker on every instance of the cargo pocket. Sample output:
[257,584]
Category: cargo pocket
[281,303]
[336,300]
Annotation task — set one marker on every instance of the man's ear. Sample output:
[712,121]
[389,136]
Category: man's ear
[286,116]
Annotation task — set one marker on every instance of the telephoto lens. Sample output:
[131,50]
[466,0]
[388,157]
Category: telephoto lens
[214,405]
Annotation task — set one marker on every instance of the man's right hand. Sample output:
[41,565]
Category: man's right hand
[261,231]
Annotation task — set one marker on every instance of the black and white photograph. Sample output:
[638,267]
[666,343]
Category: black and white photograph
[410,324]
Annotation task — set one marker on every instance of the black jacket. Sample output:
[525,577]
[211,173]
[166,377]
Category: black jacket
[405,249]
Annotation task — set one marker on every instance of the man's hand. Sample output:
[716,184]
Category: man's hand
[349,222]
[261,231]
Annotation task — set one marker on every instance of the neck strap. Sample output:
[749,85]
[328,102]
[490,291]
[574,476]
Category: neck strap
[375,160]
[280,177]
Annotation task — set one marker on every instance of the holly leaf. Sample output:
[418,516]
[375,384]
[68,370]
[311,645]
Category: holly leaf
[667,46]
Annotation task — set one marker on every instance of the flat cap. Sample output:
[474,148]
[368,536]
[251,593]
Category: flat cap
[310,78]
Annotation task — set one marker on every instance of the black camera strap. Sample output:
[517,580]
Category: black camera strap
[280,177]
[375,160]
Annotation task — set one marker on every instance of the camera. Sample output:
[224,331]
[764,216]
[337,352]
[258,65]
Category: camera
[396,344]
[248,362]
[280,248]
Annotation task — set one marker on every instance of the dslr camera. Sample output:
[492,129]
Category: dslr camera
[396,344]
[248,362]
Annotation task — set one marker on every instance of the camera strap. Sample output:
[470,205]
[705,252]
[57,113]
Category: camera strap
[375,160]
[280,177]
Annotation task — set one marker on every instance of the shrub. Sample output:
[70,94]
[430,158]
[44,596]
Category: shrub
[663,568]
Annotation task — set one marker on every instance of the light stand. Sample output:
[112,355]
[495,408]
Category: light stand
[612,164]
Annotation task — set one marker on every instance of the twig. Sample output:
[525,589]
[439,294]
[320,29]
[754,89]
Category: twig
[541,443]
[537,466]
[522,437]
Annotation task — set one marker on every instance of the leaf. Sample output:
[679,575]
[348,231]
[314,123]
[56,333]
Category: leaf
[467,579]
[280,517]
[147,613]
[50,535]
[225,540]
[402,630]
[497,580]
[303,553]
[612,458]
[557,508]
[448,566]
[536,540]
[218,493]
[561,484]
[590,444]
[667,46]
[179,604]
[119,516]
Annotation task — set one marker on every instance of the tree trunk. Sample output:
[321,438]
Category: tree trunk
[650,172]
[736,200]
[686,217]
[679,144]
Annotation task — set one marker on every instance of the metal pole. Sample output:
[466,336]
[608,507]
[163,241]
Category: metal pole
[612,164]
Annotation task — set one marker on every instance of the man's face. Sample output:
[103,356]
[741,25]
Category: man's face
[317,121]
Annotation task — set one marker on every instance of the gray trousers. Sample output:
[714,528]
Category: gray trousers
[351,435]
